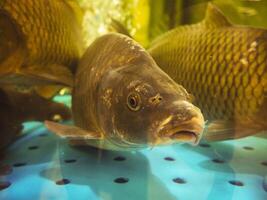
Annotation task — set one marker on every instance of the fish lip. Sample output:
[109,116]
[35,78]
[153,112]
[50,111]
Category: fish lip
[189,131]
[185,135]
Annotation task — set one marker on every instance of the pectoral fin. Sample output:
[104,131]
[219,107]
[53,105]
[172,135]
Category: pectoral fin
[219,130]
[71,132]
[52,74]
[39,75]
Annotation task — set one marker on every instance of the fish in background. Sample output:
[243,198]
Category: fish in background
[122,100]
[40,42]
[225,67]
[40,45]
[18,107]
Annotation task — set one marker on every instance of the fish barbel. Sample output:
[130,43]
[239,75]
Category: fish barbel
[225,67]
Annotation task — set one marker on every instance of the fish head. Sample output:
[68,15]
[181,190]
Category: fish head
[141,106]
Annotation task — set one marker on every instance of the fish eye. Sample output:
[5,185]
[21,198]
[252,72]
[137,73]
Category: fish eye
[134,101]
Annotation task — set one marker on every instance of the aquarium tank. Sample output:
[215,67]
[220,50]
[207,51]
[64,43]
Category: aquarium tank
[133,99]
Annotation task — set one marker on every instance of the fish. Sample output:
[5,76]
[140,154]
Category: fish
[224,66]
[40,43]
[18,107]
[121,100]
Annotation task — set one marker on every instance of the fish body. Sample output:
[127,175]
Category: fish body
[122,100]
[225,67]
[39,49]
[18,107]
[39,41]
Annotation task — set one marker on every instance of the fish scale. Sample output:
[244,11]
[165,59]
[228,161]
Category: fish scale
[222,65]
[47,28]
[212,65]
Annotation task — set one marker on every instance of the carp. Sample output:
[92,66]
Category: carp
[225,67]
[122,100]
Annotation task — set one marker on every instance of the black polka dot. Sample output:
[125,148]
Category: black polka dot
[33,147]
[264,163]
[179,180]
[121,180]
[205,145]
[217,160]
[63,181]
[236,183]
[20,164]
[248,148]
[4,185]
[119,158]
[169,159]
[70,161]
[43,135]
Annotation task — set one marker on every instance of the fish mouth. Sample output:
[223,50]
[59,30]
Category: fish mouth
[184,136]
[188,132]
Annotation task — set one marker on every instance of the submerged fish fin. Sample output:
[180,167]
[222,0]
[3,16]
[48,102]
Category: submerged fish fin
[71,132]
[48,91]
[53,74]
[118,27]
[39,75]
[215,18]
[219,130]
[226,130]
[28,106]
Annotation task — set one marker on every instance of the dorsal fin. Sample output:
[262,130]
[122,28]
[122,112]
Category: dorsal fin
[215,18]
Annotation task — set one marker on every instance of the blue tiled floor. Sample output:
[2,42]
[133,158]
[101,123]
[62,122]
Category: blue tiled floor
[40,160]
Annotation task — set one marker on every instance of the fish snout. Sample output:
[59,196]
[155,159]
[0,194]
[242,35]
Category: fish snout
[185,124]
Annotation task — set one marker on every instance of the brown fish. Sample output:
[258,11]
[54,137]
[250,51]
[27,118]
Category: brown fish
[225,67]
[17,107]
[39,42]
[39,49]
[122,100]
